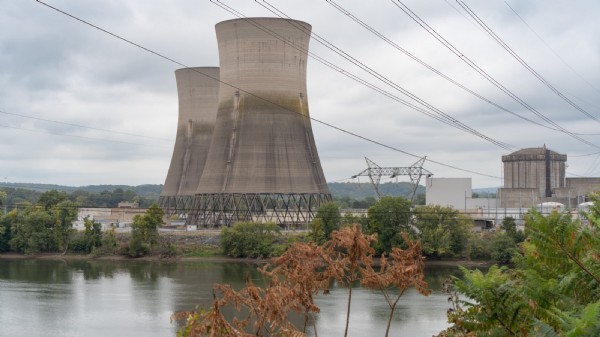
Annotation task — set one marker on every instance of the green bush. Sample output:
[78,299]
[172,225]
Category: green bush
[503,248]
[479,246]
[137,248]
[164,250]
[249,239]
[78,245]
[144,231]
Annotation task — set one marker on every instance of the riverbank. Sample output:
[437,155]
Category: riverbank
[199,246]
[216,258]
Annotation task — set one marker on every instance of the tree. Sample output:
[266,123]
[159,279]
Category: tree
[444,231]
[419,199]
[65,213]
[3,196]
[52,198]
[503,247]
[432,230]
[297,276]
[5,233]
[326,221]
[91,238]
[144,231]
[554,289]
[32,231]
[509,226]
[250,239]
[387,218]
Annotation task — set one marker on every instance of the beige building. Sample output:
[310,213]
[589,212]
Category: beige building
[537,175]
[119,217]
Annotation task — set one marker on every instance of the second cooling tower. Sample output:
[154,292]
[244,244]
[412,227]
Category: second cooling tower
[263,155]
[197,92]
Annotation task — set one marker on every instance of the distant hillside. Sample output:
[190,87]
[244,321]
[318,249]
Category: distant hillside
[488,190]
[363,190]
[148,190]
[356,191]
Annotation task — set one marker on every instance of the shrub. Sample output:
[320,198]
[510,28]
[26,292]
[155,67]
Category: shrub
[249,239]
[479,246]
[79,245]
[503,248]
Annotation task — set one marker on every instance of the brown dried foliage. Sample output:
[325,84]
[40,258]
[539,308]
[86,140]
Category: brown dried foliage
[403,269]
[301,273]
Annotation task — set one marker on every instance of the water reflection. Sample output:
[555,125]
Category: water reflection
[137,298]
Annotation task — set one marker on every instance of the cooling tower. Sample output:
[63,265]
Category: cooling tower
[198,98]
[263,163]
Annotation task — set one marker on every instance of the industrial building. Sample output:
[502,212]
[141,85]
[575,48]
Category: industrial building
[533,178]
[262,162]
[537,175]
[197,92]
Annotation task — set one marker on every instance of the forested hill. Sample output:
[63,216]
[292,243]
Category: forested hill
[361,191]
[338,190]
[147,190]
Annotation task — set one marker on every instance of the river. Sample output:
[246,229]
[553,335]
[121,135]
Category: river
[137,298]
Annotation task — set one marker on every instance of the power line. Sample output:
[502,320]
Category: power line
[433,69]
[74,136]
[551,49]
[249,93]
[482,72]
[81,126]
[447,119]
[521,61]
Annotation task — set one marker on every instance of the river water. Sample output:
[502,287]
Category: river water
[137,298]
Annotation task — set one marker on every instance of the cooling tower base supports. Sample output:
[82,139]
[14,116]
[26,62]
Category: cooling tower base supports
[178,204]
[287,210]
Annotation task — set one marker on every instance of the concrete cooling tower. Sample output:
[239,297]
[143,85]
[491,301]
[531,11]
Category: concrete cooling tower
[263,163]
[198,98]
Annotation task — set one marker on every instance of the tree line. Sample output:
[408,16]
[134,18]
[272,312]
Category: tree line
[47,226]
[444,232]
[14,197]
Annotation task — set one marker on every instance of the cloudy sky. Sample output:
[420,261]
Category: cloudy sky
[80,107]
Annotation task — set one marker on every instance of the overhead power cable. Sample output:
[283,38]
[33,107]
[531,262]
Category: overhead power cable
[483,73]
[82,126]
[258,97]
[446,118]
[433,69]
[522,62]
[74,136]
[552,49]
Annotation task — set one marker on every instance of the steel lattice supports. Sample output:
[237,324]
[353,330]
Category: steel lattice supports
[176,204]
[216,209]
[375,172]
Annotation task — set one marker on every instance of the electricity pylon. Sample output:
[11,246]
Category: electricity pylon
[375,172]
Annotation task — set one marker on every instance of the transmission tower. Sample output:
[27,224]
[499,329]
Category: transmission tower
[375,172]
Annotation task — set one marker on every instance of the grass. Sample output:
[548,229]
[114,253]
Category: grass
[200,251]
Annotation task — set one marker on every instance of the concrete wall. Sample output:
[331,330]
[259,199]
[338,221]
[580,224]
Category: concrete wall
[198,97]
[456,193]
[448,192]
[519,197]
[263,141]
[583,186]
